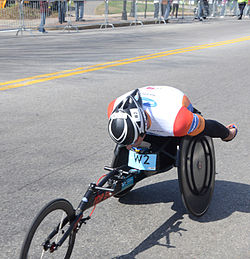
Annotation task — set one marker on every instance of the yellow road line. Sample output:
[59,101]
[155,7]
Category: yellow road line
[81,70]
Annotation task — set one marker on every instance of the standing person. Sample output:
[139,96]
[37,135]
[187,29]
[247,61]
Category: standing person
[175,8]
[159,111]
[163,6]
[79,9]
[223,8]
[43,12]
[168,10]
[242,4]
[61,11]
[156,9]
[202,9]
[215,8]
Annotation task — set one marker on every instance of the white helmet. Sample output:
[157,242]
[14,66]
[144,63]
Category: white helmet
[128,120]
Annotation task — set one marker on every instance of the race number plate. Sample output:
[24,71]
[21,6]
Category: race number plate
[145,162]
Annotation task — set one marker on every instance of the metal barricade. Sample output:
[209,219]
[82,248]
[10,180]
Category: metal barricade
[106,23]
[136,21]
[70,10]
[22,27]
[9,15]
[40,15]
[28,15]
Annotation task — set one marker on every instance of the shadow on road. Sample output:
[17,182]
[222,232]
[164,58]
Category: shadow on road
[228,197]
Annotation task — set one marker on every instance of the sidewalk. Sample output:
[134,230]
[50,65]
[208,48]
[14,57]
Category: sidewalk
[115,21]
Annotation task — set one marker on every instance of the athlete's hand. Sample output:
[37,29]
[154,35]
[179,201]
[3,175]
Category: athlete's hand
[137,142]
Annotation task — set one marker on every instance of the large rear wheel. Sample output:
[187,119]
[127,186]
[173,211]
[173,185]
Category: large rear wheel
[196,173]
[47,229]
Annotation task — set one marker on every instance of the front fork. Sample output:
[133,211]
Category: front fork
[94,195]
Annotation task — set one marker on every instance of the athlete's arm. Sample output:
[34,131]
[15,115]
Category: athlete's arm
[188,123]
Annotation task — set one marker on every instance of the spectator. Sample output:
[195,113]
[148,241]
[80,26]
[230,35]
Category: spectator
[200,6]
[79,8]
[163,7]
[43,13]
[61,11]
[203,9]
[233,8]
[167,10]
[156,7]
[215,8]
[210,7]
[175,8]
[223,8]
[242,4]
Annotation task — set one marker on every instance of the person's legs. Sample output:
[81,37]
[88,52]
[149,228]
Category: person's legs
[41,27]
[173,10]
[167,12]
[177,8]
[81,6]
[241,7]
[156,11]
[43,12]
[200,9]
[77,10]
[163,9]
[60,10]
[64,10]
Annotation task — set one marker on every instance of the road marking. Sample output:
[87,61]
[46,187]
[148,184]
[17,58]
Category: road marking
[81,70]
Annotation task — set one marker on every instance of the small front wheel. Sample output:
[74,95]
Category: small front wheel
[46,231]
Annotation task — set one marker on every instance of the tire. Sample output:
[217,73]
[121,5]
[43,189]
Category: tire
[47,220]
[196,173]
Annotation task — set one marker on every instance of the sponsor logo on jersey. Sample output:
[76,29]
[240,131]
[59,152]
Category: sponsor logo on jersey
[147,102]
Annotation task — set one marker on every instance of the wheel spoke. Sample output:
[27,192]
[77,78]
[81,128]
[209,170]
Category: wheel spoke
[59,229]
[42,254]
[51,217]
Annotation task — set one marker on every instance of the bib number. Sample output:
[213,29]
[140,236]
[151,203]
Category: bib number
[142,161]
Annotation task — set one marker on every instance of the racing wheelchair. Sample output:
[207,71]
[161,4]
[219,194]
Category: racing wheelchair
[55,227]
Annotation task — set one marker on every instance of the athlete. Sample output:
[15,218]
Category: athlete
[160,111]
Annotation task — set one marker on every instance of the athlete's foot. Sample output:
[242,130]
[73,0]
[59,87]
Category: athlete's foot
[232,132]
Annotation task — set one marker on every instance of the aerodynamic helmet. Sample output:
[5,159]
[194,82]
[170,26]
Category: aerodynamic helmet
[128,120]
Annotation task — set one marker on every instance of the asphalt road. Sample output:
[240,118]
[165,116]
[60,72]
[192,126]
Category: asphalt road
[54,140]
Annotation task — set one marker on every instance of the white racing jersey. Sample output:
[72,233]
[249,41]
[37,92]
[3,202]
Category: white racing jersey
[169,109]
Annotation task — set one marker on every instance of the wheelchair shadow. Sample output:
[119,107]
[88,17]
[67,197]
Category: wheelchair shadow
[228,197]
